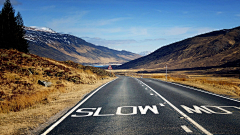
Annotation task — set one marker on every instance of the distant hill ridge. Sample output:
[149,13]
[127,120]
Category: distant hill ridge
[144,53]
[45,42]
[215,48]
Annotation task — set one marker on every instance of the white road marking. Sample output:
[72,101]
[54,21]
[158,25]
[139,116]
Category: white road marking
[206,109]
[196,109]
[133,112]
[151,94]
[81,111]
[201,91]
[144,110]
[66,115]
[186,129]
[161,104]
[180,112]
[90,111]
[98,111]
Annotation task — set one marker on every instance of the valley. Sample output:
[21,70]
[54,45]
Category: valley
[223,84]
[119,67]
[209,61]
[189,65]
[214,49]
[45,42]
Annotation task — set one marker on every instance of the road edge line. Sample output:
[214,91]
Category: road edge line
[201,90]
[179,111]
[73,109]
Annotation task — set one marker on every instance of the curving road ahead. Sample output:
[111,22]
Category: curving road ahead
[148,106]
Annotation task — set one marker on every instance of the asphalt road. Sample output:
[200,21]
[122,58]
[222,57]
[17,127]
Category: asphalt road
[148,106]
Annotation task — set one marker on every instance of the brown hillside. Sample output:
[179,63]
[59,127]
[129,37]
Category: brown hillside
[20,73]
[218,48]
[64,47]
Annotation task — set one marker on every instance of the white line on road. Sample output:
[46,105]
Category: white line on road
[186,129]
[180,112]
[66,115]
[161,104]
[200,90]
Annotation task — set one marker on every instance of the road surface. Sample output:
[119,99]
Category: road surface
[147,106]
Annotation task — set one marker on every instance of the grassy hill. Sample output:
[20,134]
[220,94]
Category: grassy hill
[68,47]
[214,49]
[20,74]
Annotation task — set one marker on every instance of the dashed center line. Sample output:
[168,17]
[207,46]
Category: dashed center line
[161,104]
[180,112]
[186,129]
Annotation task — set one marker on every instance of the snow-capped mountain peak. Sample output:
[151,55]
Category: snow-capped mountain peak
[45,42]
[43,29]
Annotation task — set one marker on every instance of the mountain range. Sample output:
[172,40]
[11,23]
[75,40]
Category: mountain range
[45,42]
[217,48]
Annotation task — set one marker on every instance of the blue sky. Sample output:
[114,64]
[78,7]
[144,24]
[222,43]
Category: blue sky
[132,25]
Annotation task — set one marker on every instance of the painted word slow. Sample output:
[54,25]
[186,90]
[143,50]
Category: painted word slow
[210,109]
[86,112]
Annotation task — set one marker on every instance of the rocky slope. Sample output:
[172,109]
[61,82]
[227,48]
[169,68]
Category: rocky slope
[45,42]
[217,48]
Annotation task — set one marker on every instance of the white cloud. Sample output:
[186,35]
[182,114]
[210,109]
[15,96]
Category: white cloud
[219,12]
[185,32]
[76,23]
[47,7]
[177,31]
[134,43]
[111,43]
[108,21]
[137,31]
[158,10]
[156,39]
[66,21]
[203,30]
[108,43]
[91,32]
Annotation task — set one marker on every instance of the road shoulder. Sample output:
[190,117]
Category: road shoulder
[36,118]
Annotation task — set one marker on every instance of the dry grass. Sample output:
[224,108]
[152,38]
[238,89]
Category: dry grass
[20,91]
[226,86]
[28,120]
[21,72]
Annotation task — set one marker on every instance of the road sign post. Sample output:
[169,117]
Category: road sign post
[166,72]
[110,67]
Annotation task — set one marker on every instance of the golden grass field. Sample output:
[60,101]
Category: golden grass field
[227,86]
[25,104]
[35,118]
